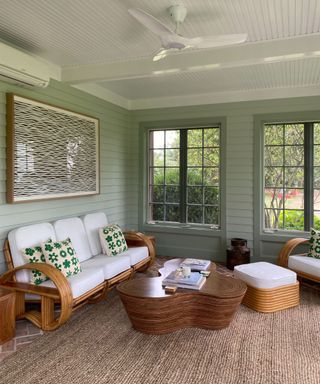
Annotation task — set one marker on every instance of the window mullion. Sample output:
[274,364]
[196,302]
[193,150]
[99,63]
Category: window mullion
[308,176]
[183,174]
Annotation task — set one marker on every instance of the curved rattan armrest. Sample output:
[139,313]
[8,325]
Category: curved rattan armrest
[138,237]
[62,291]
[288,248]
[52,293]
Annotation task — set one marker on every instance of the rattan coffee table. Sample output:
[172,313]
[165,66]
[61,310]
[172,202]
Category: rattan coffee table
[151,310]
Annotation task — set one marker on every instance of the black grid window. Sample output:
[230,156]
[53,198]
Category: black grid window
[292,176]
[184,175]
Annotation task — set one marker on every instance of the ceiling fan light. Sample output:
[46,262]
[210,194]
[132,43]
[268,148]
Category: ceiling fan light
[157,58]
[160,55]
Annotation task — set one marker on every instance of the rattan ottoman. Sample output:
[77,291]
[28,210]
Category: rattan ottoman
[270,288]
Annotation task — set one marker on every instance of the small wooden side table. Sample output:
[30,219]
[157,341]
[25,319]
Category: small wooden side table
[7,315]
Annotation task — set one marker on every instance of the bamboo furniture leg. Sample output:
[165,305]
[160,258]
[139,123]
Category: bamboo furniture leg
[7,315]
[47,312]
[20,304]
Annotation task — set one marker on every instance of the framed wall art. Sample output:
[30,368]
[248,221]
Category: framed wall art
[51,152]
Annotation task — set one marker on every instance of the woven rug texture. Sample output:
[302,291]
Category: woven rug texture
[98,345]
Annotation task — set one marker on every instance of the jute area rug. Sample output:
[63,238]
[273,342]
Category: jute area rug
[98,345]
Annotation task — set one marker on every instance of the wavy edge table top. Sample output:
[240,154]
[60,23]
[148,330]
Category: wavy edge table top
[216,285]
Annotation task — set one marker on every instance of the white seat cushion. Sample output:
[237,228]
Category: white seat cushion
[28,236]
[83,282]
[309,265]
[111,265]
[264,275]
[136,254]
[92,223]
[74,229]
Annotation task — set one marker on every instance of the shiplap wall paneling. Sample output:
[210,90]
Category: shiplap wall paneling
[239,178]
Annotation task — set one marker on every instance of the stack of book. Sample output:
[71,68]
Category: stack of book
[194,281]
[196,264]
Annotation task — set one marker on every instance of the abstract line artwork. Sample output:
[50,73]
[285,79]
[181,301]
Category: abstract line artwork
[51,152]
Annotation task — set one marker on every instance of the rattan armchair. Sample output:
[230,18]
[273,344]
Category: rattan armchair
[287,251]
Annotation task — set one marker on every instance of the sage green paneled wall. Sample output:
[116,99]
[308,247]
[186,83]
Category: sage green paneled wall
[120,171]
[118,164]
[240,215]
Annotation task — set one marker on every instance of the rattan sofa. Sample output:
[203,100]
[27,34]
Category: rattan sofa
[99,272]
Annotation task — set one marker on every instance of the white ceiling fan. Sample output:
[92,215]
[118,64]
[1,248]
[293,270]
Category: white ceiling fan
[172,41]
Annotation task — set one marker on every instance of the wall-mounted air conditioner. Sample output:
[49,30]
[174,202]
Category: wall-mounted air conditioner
[23,69]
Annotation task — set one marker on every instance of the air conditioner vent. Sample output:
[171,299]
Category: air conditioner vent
[21,68]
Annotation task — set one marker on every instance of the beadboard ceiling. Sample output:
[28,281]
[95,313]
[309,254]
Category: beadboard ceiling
[105,51]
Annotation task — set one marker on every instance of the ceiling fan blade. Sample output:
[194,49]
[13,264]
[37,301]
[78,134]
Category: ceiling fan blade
[161,54]
[150,22]
[217,41]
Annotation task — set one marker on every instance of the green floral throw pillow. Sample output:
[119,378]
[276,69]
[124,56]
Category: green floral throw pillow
[35,255]
[62,255]
[112,240]
[314,250]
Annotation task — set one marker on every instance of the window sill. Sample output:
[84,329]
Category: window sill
[282,236]
[182,229]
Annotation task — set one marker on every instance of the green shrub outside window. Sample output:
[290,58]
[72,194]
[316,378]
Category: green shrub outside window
[184,176]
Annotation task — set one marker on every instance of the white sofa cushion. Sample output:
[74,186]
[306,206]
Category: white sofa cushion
[136,254]
[74,229]
[83,282]
[264,275]
[92,223]
[309,265]
[111,265]
[28,236]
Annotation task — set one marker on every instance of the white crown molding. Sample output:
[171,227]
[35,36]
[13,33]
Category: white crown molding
[224,97]
[104,94]
[199,99]
[54,70]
